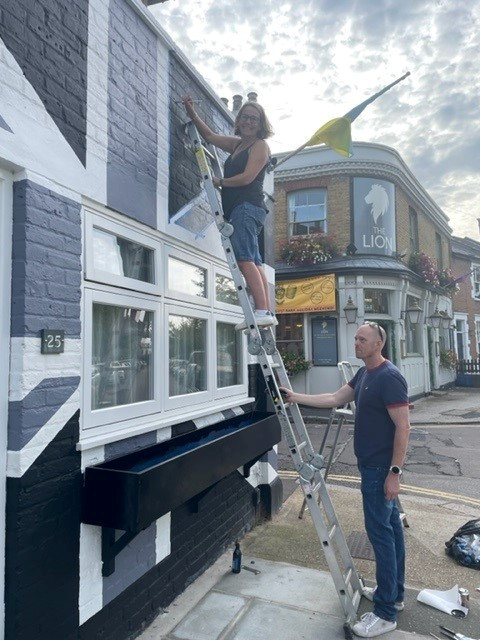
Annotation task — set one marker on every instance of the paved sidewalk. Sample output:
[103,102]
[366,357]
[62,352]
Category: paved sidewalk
[282,602]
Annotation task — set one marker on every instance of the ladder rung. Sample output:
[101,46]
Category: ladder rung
[348,576]
[332,531]
[208,152]
[302,445]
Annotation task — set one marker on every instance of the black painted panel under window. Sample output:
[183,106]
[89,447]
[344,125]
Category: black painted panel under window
[48,39]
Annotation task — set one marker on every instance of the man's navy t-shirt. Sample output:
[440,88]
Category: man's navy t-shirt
[376,390]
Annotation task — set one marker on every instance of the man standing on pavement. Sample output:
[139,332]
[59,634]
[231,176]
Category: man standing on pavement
[381,434]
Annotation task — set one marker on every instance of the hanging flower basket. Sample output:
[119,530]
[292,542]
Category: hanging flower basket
[307,251]
[424,266]
[294,363]
[447,282]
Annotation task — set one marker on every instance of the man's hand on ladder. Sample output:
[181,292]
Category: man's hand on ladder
[287,394]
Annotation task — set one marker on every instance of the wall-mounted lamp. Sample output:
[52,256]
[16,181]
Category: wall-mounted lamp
[350,311]
[413,313]
[436,318]
[446,320]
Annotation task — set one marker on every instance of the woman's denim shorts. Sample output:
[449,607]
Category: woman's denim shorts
[247,220]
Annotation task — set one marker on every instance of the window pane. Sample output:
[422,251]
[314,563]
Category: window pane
[375,301]
[187,345]
[187,278]
[228,355]
[122,365]
[122,257]
[225,290]
[290,333]
[307,211]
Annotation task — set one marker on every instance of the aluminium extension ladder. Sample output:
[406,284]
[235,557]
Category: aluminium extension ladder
[309,464]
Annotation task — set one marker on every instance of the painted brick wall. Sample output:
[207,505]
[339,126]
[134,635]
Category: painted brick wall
[132,114]
[184,182]
[42,542]
[49,41]
[225,513]
[338,207]
[46,267]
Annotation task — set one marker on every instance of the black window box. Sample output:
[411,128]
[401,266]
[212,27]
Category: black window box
[130,492]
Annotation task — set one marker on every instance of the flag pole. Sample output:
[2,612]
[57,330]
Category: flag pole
[351,115]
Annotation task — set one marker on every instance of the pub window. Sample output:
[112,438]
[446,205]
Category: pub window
[375,301]
[438,250]
[413,220]
[307,211]
[290,333]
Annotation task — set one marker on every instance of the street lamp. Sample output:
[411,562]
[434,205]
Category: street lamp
[350,311]
[436,318]
[413,313]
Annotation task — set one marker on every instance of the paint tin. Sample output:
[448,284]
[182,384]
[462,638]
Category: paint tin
[464,596]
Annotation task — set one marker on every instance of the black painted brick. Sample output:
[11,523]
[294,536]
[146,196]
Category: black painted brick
[197,539]
[42,545]
[49,41]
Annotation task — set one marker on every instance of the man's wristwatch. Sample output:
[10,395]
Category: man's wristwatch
[395,470]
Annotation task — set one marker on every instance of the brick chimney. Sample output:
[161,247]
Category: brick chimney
[237,103]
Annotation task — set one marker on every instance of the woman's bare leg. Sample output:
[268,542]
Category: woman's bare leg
[255,279]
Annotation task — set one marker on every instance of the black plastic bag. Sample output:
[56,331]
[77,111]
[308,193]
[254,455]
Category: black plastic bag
[464,545]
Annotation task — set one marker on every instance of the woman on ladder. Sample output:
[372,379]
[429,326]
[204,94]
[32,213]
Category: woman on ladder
[242,195]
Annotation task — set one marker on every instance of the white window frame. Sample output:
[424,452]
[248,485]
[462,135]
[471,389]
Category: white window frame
[236,389]
[104,419]
[235,308]
[476,281]
[194,261]
[290,223]
[477,334]
[128,232]
[200,397]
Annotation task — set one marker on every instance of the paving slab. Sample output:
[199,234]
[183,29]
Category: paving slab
[210,617]
[284,583]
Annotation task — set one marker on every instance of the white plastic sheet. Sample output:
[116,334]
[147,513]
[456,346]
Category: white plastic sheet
[448,601]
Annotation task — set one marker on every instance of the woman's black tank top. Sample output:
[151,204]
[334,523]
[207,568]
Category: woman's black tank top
[253,192]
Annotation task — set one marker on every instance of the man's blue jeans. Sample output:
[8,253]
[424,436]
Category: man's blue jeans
[385,532]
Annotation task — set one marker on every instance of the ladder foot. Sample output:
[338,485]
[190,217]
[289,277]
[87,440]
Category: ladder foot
[347,630]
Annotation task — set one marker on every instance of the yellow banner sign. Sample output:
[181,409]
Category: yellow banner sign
[306,294]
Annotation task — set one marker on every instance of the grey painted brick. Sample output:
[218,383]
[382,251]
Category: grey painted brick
[123,447]
[132,163]
[43,253]
[130,564]
[26,417]
[48,39]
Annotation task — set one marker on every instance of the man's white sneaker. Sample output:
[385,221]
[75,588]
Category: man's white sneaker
[263,320]
[369,591]
[370,626]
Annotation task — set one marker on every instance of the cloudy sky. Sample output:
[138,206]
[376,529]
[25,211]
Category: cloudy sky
[311,60]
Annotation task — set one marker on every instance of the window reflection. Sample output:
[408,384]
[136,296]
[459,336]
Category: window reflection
[122,370]
[187,362]
[187,278]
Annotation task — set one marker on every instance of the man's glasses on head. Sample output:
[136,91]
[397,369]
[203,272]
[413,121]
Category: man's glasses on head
[375,325]
[246,118]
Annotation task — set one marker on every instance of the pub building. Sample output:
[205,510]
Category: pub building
[376,216]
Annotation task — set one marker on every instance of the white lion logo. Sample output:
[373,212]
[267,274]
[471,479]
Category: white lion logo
[378,198]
